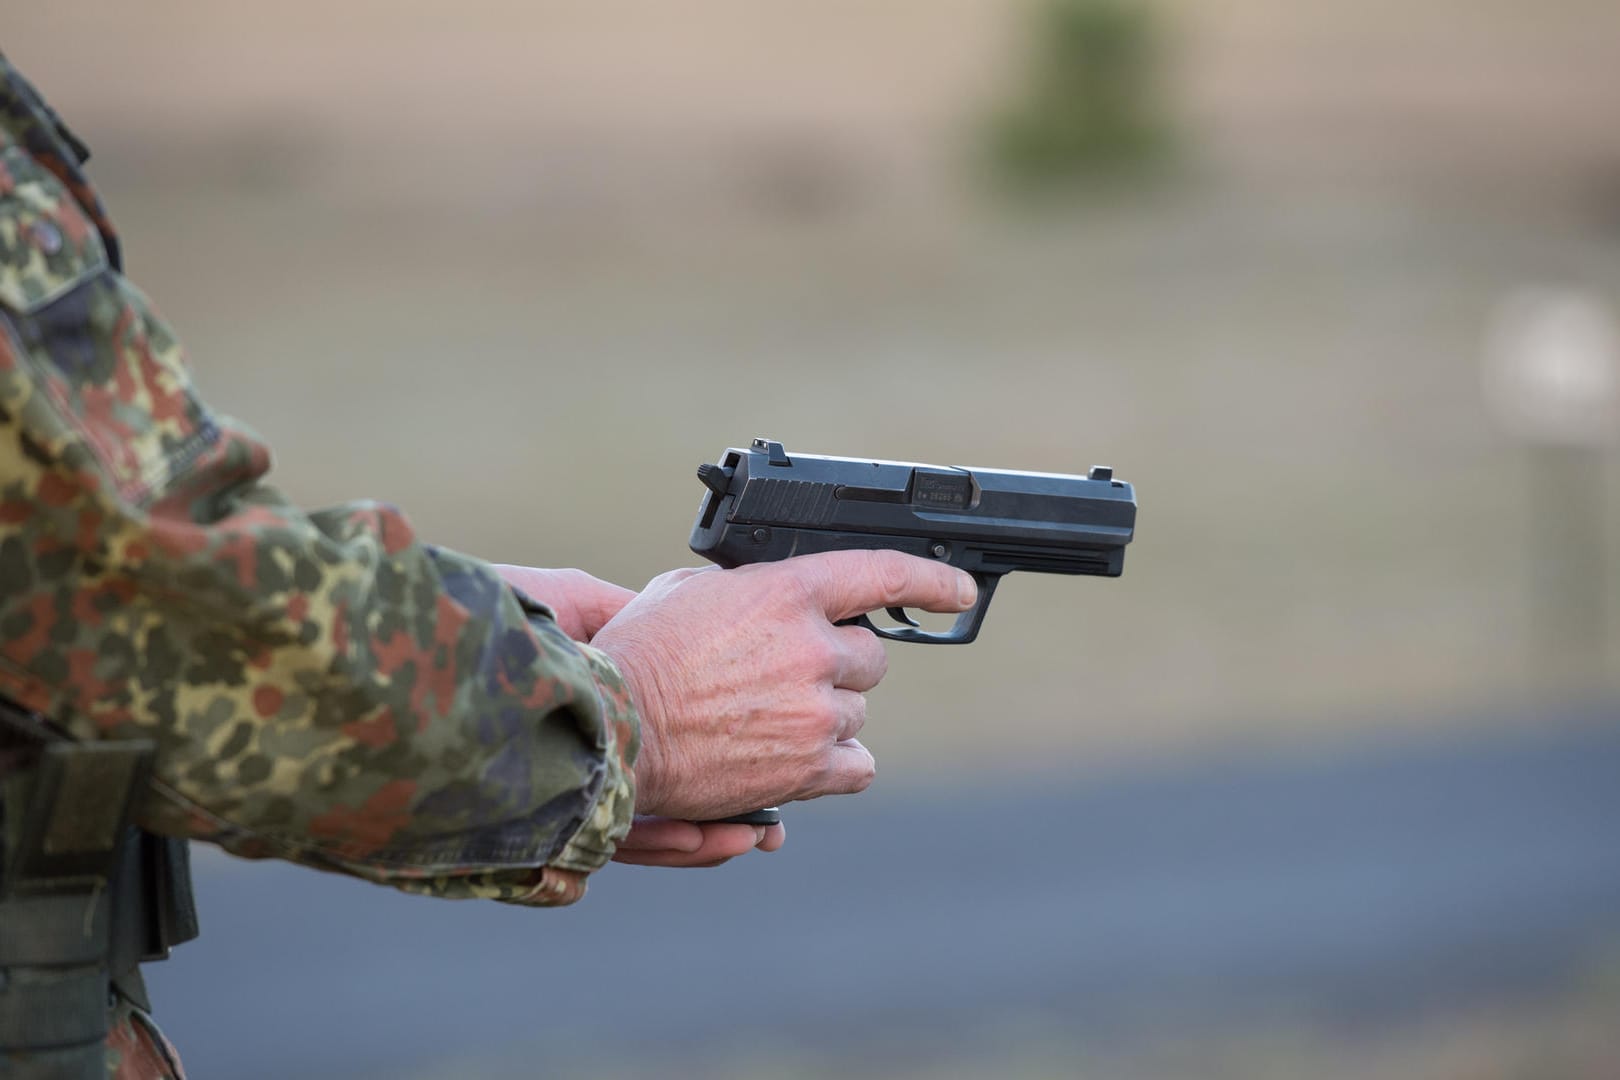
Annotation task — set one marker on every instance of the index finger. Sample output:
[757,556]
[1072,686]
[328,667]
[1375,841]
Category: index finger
[850,583]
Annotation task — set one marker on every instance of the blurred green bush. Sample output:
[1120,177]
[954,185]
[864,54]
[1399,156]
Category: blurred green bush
[1091,105]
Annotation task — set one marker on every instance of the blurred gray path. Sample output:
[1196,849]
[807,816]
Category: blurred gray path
[1350,886]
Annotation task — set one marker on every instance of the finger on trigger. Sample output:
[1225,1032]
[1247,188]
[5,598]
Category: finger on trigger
[850,583]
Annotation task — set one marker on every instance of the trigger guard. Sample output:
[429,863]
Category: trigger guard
[964,630]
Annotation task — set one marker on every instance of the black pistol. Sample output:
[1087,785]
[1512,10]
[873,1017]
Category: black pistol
[762,505]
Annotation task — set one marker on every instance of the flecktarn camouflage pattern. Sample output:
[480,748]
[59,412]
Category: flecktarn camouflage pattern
[321,687]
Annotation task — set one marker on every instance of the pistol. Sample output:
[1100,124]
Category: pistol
[762,505]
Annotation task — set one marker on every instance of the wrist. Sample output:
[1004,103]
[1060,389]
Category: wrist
[619,740]
[648,773]
[648,768]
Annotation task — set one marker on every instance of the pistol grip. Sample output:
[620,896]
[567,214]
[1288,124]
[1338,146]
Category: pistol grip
[964,630]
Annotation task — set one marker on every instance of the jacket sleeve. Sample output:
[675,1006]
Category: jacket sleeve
[321,687]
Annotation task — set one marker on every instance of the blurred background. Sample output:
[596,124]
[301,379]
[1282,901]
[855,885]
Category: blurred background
[1326,785]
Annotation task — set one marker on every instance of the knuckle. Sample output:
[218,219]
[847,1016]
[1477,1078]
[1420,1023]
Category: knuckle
[877,657]
[892,572]
[856,719]
[846,774]
[829,718]
[862,778]
[800,585]
[828,780]
[819,656]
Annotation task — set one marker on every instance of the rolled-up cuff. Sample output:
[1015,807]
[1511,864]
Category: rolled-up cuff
[543,886]
[609,820]
[562,880]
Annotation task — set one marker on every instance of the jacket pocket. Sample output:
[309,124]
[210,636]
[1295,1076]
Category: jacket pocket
[47,244]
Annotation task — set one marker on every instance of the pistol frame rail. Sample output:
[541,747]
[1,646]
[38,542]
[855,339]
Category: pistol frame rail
[761,506]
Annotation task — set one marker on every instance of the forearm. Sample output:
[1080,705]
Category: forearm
[322,688]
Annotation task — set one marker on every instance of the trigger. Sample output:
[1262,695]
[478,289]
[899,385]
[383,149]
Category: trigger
[898,614]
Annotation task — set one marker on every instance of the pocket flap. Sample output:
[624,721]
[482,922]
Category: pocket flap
[47,244]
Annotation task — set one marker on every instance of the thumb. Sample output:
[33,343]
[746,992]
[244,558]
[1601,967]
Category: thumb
[601,601]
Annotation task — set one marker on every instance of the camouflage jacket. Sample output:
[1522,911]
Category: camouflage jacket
[321,687]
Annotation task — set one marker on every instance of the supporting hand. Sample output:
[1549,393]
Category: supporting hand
[583,604]
[655,841]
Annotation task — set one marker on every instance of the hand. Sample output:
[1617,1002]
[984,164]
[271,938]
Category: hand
[583,604]
[655,841]
[749,694]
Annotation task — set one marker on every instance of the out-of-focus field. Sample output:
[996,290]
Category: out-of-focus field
[521,267]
